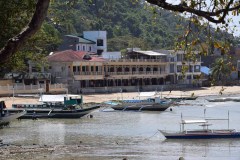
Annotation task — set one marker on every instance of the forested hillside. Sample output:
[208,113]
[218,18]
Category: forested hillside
[128,23]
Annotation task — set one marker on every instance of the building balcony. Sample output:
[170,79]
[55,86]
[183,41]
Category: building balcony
[136,61]
[118,75]
[88,73]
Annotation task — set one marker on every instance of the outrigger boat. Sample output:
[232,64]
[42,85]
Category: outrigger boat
[55,106]
[147,104]
[204,133]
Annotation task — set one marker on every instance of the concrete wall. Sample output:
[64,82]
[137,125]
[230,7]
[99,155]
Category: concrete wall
[6,82]
[94,35]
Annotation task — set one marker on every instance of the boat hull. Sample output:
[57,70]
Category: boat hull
[141,107]
[202,135]
[53,113]
[181,98]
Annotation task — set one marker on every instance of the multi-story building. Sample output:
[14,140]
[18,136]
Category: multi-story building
[84,63]
[186,68]
[91,41]
[146,70]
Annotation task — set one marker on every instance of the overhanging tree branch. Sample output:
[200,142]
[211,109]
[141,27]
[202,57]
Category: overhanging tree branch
[34,25]
[216,16]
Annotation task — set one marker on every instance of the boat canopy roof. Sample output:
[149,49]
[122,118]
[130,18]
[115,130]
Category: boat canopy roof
[193,121]
[56,98]
[147,94]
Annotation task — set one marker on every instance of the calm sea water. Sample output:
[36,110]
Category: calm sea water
[132,135]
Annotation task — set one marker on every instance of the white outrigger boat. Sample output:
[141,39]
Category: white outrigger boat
[204,133]
[155,103]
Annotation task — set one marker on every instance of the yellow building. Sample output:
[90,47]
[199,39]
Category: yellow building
[147,70]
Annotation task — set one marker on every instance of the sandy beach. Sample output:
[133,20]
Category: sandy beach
[204,91]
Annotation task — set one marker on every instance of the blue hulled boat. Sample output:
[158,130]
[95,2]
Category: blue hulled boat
[204,133]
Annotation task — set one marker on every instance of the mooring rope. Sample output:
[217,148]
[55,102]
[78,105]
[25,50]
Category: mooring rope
[152,135]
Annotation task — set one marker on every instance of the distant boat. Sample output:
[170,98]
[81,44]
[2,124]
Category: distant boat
[204,133]
[182,98]
[146,104]
[56,106]
[225,99]
[6,117]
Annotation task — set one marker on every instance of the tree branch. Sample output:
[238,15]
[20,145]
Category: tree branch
[13,44]
[209,15]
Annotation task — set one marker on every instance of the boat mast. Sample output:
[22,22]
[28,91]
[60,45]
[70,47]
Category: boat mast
[228,120]
[181,124]
[13,95]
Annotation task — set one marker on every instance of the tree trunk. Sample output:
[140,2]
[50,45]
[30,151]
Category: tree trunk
[13,44]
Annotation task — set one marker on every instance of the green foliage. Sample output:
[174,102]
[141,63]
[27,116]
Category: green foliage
[156,28]
[14,16]
[221,69]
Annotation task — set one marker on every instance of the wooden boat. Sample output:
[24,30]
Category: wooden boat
[6,117]
[72,107]
[182,98]
[225,99]
[149,104]
[204,133]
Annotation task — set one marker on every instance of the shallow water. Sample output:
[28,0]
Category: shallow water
[132,135]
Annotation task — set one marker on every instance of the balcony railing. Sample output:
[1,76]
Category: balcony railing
[138,60]
[88,73]
[122,73]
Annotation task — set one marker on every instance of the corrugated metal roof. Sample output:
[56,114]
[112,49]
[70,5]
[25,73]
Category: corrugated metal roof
[151,53]
[205,70]
[82,40]
[194,121]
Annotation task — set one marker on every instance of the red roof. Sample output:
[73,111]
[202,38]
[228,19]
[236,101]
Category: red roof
[72,56]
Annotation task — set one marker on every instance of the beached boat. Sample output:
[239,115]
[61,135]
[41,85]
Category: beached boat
[55,106]
[6,117]
[204,133]
[224,99]
[182,98]
[146,104]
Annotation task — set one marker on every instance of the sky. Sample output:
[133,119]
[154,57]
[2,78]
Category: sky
[236,19]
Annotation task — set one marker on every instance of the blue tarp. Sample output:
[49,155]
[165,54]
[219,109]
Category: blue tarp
[205,70]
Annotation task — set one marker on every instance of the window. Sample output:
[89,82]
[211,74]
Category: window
[83,68]
[83,48]
[99,51]
[90,48]
[78,47]
[92,68]
[197,68]
[179,68]
[74,68]
[171,68]
[190,68]
[87,57]
[100,42]
[179,57]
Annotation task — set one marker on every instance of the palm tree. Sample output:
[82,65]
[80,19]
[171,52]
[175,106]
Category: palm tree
[221,70]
